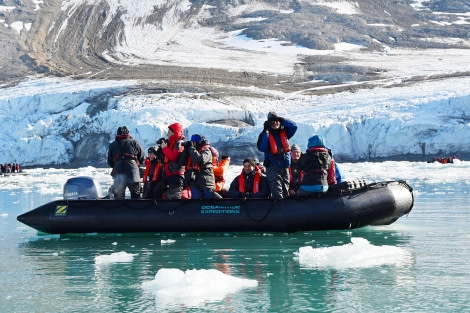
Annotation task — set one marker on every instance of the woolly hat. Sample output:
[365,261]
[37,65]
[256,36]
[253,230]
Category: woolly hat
[272,116]
[196,138]
[214,152]
[316,141]
[250,160]
[152,150]
[123,130]
[295,147]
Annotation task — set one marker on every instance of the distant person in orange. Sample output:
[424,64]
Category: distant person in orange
[219,168]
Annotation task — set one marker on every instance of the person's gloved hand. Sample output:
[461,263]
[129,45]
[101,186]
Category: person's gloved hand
[266,125]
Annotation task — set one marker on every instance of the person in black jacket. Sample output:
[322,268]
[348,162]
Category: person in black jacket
[199,174]
[154,185]
[295,173]
[251,183]
[125,155]
[314,164]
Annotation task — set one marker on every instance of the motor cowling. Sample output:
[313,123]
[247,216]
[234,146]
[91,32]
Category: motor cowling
[82,187]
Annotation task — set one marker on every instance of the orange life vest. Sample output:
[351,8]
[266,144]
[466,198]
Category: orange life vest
[256,182]
[219,170]
[190,166]
[156,171]
[284,142]
[147,170]
[332,173]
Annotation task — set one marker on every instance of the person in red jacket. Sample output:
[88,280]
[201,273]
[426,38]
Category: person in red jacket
[173,170]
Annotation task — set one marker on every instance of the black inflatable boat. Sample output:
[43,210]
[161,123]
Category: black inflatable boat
[347,205]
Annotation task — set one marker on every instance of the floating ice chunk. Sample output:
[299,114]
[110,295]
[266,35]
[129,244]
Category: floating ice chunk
[117,257]
[193,287]
[358,253]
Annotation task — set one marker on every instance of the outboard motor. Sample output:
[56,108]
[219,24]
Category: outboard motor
[82,187]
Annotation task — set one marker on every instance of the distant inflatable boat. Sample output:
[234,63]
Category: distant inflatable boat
[12,174]
[445,160]
[346,206]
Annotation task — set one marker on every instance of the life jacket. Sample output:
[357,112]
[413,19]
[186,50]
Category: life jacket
[256,182]
[177,129]
[189,164]
[219,170]
[172,167]
[147,170]
[156,171]
[284,142]
[124,155]
[291,176]
[332,173]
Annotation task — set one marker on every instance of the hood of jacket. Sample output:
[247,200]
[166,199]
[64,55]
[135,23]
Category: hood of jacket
[177,129]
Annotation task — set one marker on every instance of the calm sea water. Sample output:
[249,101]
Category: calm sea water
[420,263]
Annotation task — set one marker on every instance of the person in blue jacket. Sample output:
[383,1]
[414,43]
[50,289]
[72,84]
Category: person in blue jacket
[274,142]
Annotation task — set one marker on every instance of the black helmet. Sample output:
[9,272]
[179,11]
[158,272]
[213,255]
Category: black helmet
[152,150]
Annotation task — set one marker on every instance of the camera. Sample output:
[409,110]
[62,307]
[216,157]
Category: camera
[161,140]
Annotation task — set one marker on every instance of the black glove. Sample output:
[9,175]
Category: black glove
[188,144]
[224,156]
[266,125]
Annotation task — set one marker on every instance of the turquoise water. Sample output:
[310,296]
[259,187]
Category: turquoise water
[420,263]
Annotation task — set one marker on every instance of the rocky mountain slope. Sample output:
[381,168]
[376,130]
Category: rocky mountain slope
[84,38]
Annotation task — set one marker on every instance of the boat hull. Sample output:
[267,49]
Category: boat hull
[374,204]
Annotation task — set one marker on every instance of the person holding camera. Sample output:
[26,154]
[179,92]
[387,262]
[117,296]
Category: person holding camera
[199,174]
[274,142]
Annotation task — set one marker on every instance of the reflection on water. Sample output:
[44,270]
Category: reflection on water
[282,283]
